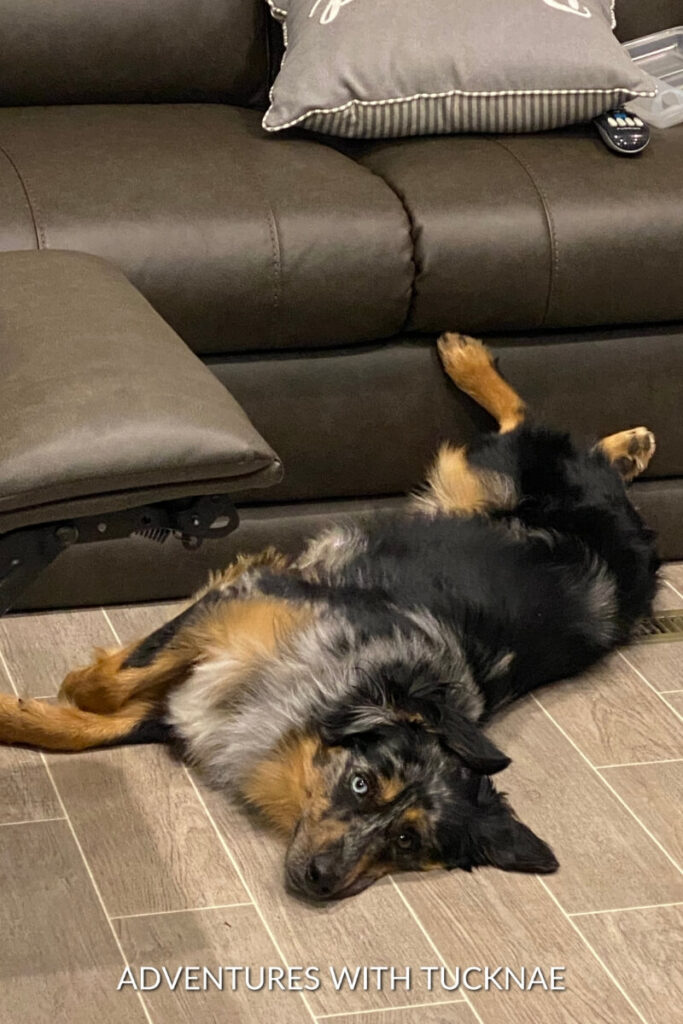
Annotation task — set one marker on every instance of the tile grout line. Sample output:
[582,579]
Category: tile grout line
[674,588]
[648,683]
[590,947]
[411,910]
[180,910]
[671,707]
[84,859]
[10,677]
[31,821]
[111,625]
[390,1009]
[606,783]
[624,910]
[243,880]
[638,764]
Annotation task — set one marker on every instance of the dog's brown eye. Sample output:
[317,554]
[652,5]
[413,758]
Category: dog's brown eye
[407,841]
[359,785]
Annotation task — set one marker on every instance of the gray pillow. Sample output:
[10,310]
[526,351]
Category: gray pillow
[387,68]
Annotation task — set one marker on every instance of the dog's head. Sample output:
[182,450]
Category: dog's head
[399,786]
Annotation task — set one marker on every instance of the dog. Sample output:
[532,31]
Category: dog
[341,694]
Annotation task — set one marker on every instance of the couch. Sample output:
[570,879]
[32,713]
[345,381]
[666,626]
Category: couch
[312,277]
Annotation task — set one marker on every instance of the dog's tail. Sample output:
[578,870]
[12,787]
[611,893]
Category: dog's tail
[64,727]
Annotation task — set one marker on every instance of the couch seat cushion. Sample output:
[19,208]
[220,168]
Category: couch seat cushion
[239,240]
[529,231]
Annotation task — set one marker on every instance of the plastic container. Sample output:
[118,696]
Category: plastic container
[661,55]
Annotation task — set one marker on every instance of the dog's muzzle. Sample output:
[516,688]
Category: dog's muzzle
[325,874]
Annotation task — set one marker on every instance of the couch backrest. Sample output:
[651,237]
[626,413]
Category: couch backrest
[126,51]
[640,17]
[105,51]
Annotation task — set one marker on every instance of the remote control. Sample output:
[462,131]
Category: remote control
[623,132]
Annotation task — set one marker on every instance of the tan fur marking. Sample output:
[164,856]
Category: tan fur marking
[255,625]
[286,781]
[469,364]
[432,865]
[366,866]
[389,789]
[457,488]
[55,727]
[416,816]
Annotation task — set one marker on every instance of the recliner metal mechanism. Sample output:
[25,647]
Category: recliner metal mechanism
[26,552]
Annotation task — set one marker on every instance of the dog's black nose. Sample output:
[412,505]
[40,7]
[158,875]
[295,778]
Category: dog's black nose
[319,876]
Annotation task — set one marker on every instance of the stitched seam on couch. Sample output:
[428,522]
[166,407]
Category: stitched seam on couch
[276,250]
[550,224]
[38,228]
[412,233]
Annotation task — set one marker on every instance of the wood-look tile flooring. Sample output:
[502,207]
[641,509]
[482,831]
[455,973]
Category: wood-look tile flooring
[122,858]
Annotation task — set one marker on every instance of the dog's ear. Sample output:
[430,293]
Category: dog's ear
[474,749]
[497,837]
[345,724]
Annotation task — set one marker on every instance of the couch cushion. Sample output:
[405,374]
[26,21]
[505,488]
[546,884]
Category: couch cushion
[103,51]
[240,241]
[529,231]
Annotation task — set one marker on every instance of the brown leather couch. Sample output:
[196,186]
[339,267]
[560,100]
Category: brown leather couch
[312,277]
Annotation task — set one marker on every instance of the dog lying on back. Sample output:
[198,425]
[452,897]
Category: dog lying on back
[341,694]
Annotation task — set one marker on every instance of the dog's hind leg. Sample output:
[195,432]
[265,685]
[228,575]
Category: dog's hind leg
[469,364]
[142,670]
[147,670]
[629,451]
[454,484]
[114,679]
[57,727]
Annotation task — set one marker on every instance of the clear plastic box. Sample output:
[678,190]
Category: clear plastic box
[661,55]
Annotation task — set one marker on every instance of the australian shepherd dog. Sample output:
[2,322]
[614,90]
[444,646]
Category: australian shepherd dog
[341,694]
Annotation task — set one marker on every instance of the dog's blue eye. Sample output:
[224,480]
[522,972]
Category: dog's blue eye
[359,785]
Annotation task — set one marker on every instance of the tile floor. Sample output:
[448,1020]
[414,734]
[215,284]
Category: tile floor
[121,857]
